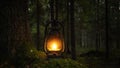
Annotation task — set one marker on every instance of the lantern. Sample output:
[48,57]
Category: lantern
[54,42]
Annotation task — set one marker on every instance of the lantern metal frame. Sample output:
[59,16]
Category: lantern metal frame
[54,28]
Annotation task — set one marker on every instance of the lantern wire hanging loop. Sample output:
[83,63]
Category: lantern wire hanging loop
[54,9]
[55,24]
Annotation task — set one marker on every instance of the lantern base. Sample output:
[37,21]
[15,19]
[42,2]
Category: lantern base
[54,55]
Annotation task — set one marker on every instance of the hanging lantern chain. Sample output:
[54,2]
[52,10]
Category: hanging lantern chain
[54,13]
[54,9]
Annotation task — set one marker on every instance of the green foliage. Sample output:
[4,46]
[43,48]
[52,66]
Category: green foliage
[92,62]
[67,63]
[60,63]
[93,53]
[92,59]
[26,54]
[115,53]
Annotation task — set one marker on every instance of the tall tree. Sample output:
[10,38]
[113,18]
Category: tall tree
[68,28]
[107,28]
[38,23]
[98,22]
[117,17]
[72,26]
[17,25]
[4,13]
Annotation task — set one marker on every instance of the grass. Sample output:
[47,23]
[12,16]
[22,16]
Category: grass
[28,57]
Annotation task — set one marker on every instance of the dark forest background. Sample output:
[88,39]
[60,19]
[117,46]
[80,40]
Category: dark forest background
[91,33]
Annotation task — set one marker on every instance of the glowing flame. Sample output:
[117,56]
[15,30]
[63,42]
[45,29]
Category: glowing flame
[54,44]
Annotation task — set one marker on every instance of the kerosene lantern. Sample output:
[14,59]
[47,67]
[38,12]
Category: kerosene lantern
[54,40]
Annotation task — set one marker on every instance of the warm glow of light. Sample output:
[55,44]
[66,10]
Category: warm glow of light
[54,44]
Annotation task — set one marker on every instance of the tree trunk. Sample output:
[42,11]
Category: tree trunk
[19,32]
[72,26]
[4,28]
[68,28]
[97,25]
[38,24]
[107,28]
[118,24]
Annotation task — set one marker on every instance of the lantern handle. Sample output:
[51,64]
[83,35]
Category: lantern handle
[54,26]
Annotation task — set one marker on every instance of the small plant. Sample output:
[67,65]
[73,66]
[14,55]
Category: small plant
[59,63]
[27,54]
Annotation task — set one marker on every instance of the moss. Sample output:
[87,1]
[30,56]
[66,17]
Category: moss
[59,63]
[26,54]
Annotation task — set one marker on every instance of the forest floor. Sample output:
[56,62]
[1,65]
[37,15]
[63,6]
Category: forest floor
[101,63]
[90,59]
[97,60]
